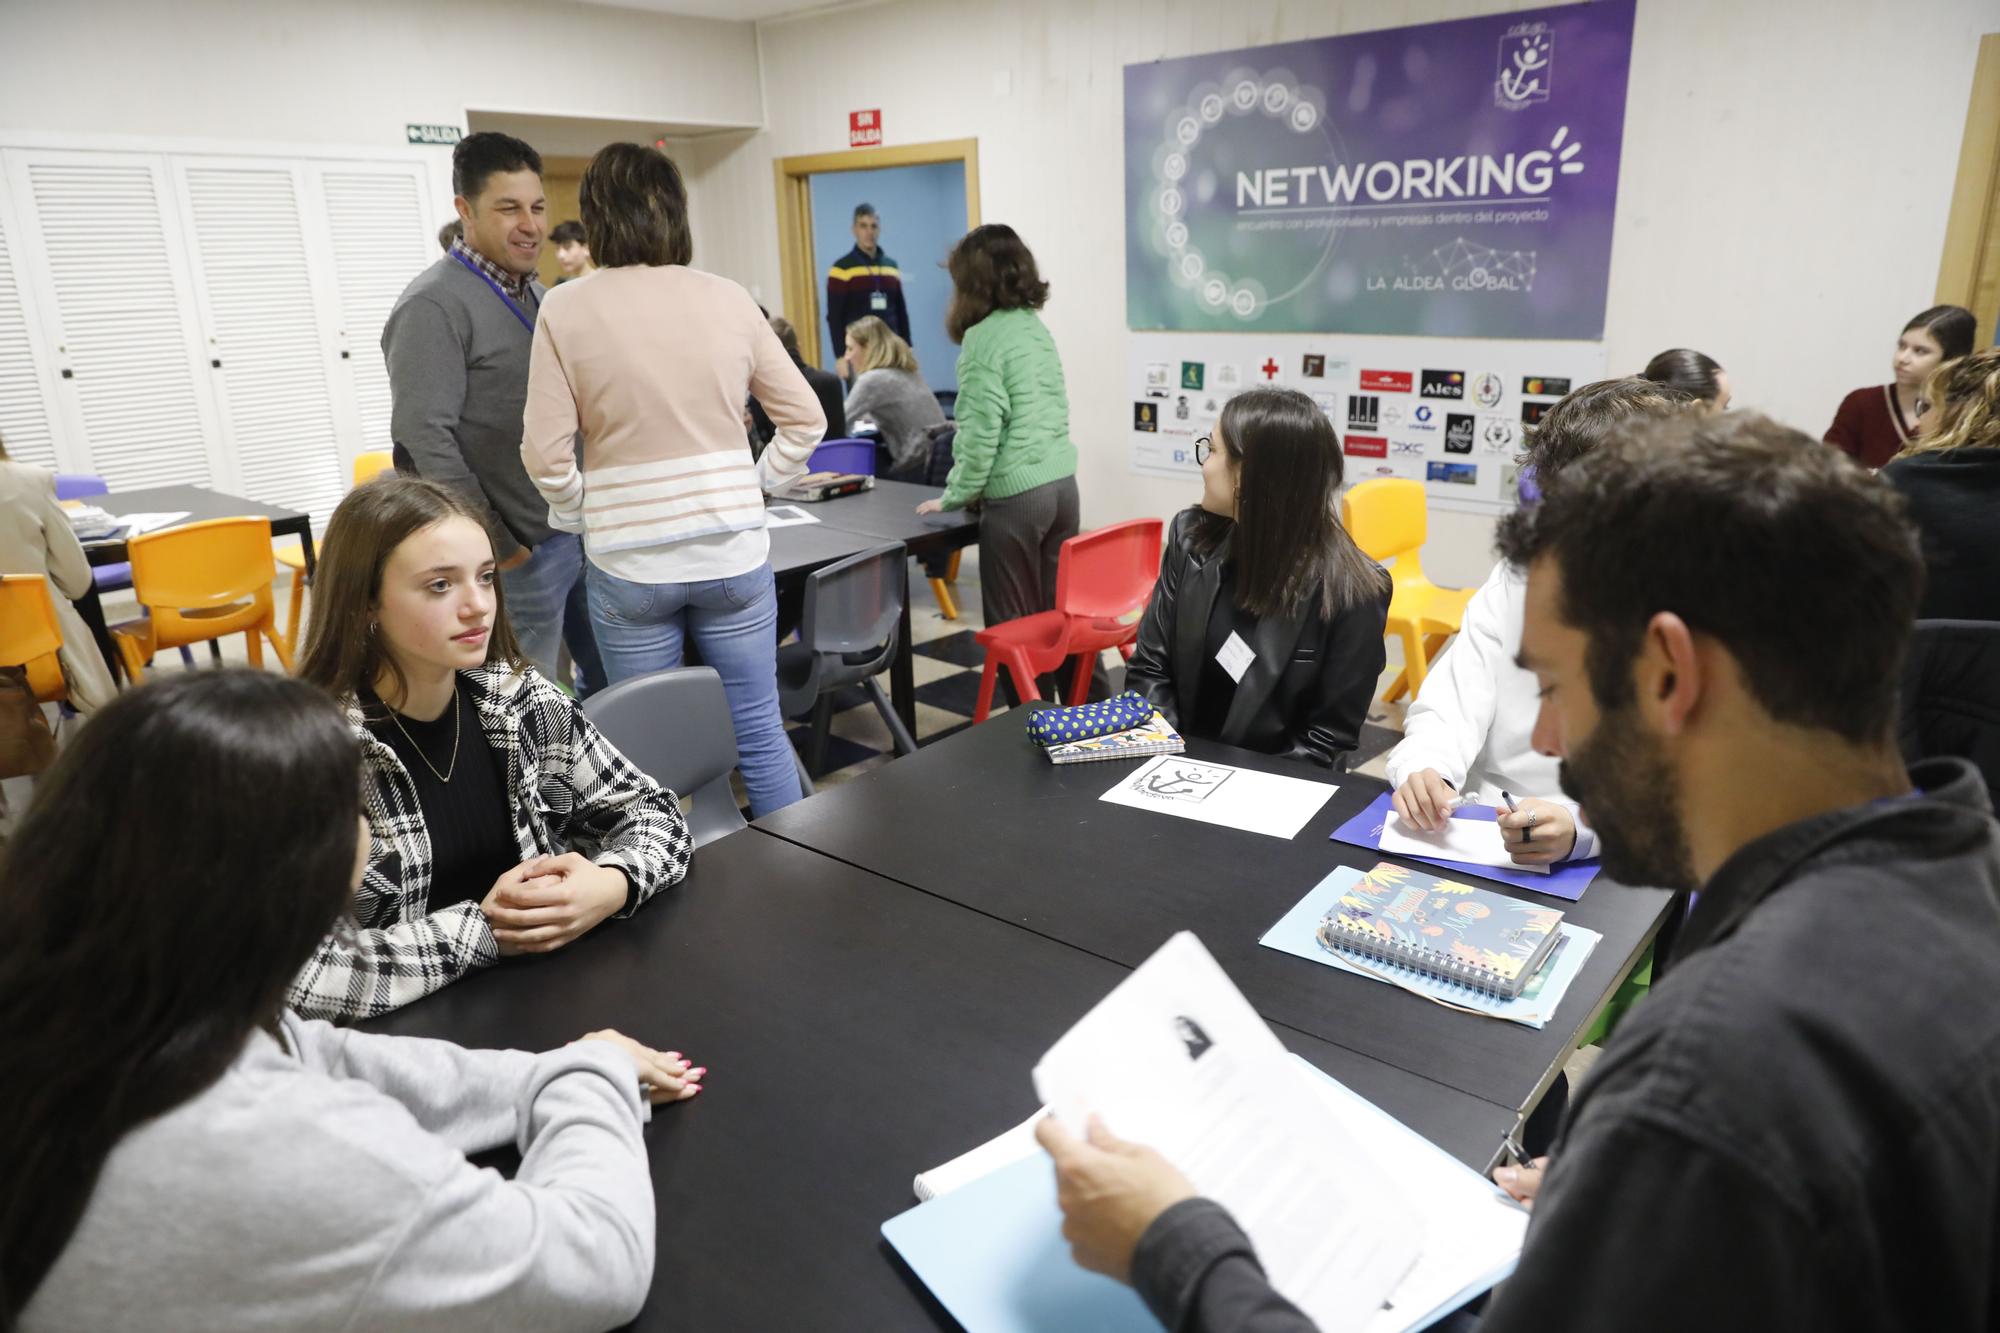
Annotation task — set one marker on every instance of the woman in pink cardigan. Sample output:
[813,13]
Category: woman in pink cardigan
[634,434]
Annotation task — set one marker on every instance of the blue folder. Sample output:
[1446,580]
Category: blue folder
[1566,880]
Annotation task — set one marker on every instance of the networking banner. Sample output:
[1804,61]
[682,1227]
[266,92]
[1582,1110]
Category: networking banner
[1447,180]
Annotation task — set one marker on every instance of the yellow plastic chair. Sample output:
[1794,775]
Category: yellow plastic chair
[1389,520]
[202,582]
[30,634]
[942,587]
[293,557]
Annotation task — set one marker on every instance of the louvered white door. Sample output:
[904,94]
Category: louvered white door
[111,289]
[26,430]
[263,331]
[379,237]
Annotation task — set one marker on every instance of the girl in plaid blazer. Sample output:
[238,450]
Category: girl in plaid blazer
[503,822]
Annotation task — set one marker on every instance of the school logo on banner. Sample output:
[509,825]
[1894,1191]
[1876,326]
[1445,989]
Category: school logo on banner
[1366,446]
[1386,381]
[1488,389]
[1364,412]
[1459,428]
[1527,61]
[1444,384]
[1145,416]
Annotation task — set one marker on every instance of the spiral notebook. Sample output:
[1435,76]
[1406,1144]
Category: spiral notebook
[1155,737]
[1442,928]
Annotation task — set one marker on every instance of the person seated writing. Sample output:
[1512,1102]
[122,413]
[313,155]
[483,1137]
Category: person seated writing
[1468,735]
[1800,1127]
[1265,629]
[504,823]
[889,390]
[182,1152]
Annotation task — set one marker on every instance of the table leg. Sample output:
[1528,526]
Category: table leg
[902,668]
[91,608]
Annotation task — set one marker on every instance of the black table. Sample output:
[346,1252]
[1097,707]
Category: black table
[857,1032]
[982,819]
[872,518]
[201,504]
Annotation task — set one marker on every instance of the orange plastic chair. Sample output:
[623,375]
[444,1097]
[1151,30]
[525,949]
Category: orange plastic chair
[1389,520]
[30,634]
[293,557]
[201,582]
[941,587]
[1103,580]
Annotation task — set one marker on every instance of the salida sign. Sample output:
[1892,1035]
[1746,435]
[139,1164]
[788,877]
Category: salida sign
[864,129]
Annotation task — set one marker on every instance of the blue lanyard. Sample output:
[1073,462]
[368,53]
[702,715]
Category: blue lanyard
[527,320]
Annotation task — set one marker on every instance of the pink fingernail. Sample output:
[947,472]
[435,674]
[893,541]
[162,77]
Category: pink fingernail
[698,1071]
[693,1089]
[673,1055]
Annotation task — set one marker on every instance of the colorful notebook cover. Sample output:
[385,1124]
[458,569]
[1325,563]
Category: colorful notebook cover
[1442,928]
[1566,880]
[1156,737]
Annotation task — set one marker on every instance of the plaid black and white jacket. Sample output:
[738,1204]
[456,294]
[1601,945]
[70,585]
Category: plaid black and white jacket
[570,789]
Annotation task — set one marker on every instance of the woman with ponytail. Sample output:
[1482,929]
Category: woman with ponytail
[1950,475]
[180,1151]
[1265,630]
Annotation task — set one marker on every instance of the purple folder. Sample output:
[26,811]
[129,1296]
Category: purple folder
[1567,880]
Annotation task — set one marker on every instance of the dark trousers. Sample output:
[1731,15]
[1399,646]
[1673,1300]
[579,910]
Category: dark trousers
[1020,541]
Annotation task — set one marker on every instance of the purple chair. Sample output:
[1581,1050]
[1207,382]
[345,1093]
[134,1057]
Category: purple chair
[843,456]
[81,486]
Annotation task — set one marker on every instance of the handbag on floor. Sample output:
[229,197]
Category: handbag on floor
[27,746]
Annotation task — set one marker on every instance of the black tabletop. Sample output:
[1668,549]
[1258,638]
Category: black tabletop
[982,819]
[856,1032]
[804,547]
[890,512]
[200,504]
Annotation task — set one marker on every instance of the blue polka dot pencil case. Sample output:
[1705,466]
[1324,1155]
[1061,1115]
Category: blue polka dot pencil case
[1059,726]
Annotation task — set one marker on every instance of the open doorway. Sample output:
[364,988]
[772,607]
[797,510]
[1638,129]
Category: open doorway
[925,196]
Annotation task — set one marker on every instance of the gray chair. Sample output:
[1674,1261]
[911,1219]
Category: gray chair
[847,636]
[674,725]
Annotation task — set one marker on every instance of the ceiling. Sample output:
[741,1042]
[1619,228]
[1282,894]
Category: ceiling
[580,136]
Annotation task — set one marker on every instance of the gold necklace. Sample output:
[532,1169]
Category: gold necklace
[449,768]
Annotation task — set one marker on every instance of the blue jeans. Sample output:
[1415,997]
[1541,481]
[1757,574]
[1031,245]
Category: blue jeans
[641,628]
[537,595]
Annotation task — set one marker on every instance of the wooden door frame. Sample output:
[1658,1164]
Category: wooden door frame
[800,283]
[1969,272]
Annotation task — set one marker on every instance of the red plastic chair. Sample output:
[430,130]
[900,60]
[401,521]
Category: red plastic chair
[1103,580]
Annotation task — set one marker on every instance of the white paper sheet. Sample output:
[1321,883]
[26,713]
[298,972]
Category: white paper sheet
[1473,841]
[787,516]
[1176,1058]
[1239,798]
[136,524]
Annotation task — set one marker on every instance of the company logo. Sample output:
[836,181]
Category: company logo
[1423,417]
[1527,59]
[1157,375]
[1228,376]
[1314,367]
[1488,389]
[1366,446]
[1364,413]
[1145,416]
[1458,474]
[1181,408]
[1458,432]
[1392,414]
[1498,434]
[1444,384]
[1532,412]
[1191,374]
[1386,381]
[1407,448]
[1544,386]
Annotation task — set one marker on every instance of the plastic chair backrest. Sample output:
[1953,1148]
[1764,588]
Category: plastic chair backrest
[28,625]
[1386,517]
[78,485]
[675,726]
[208,564]
[1110,572]
[844,456]
[368,465]
[852,605]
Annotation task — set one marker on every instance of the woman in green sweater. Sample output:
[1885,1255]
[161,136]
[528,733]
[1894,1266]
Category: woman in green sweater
[1012,452]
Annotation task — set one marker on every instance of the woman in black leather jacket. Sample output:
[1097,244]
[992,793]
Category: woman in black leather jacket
[1265,630]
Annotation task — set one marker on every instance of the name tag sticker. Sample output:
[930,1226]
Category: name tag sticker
[878,301]
[1235,657]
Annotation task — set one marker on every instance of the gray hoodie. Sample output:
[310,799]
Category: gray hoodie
[321,1183]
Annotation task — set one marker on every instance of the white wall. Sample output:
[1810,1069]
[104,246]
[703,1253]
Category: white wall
[1787,169]
[355,72]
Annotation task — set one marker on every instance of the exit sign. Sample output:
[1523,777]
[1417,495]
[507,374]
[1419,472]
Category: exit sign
[864,129]
[439,134]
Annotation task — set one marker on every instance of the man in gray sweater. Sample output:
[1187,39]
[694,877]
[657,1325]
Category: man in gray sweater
[457,347]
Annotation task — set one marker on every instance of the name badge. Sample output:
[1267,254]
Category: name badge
[878,301]
[1235,657]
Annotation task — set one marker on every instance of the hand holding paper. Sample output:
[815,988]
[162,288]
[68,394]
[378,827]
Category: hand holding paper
[1465,838]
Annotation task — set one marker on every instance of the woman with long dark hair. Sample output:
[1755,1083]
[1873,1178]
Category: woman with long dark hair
[504,823]
[181,1152]
[1265,630]
[1875,424]
[1013,451]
